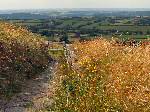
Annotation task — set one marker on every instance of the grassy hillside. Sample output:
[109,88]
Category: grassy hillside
[105,77]
[22,55]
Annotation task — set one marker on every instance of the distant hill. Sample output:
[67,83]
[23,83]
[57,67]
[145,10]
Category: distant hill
[23,16]
[59,13]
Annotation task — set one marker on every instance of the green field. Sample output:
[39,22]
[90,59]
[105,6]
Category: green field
[137,28]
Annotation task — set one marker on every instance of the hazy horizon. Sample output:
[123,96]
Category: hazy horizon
[94,9]
[68,4]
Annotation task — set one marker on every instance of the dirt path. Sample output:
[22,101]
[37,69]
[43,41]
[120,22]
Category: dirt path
[36,94]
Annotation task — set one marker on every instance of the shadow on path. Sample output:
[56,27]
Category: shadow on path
[36,94]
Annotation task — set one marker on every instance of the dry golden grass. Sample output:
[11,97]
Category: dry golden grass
[22,54]
[105,78]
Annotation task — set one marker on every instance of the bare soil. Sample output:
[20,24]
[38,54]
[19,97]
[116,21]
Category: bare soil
[36,94]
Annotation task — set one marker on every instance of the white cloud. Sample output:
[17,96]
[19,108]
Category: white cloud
[31,4]
[23,4]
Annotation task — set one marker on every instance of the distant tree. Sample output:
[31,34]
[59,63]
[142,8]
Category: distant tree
[148,32]
[77,34]
[141,33]
[34,29]
[64,38]
[47,33]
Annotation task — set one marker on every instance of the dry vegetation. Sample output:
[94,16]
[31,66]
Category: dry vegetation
[102,77]
[105,77]
[22,55]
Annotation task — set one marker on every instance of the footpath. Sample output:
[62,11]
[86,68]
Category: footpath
[36,94]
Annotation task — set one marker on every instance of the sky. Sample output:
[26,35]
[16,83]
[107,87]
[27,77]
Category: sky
[44,4]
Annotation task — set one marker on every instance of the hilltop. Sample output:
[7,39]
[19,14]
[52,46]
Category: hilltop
[22,56]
